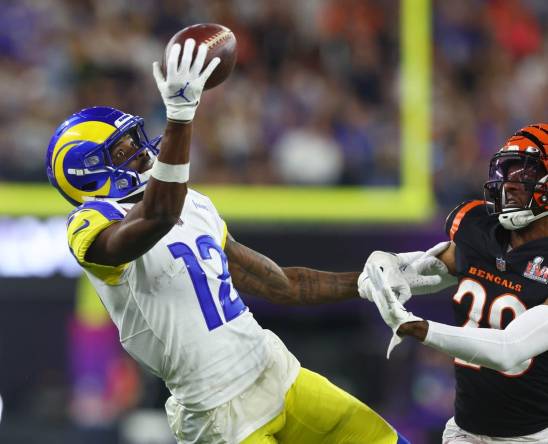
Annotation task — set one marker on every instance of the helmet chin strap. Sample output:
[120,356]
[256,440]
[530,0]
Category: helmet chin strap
[519,219]
[143,178]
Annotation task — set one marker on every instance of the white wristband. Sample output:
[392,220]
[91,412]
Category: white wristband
[170,173]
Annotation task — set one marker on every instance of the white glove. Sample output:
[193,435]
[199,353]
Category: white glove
[391,310]
[423,272]
[183,85]
[395,279]
[427,274]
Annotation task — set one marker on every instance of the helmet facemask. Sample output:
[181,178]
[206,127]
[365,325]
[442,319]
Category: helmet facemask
[125,180]
[525,173]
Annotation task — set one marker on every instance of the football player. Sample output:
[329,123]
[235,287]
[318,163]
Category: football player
[497,251]
[168,272]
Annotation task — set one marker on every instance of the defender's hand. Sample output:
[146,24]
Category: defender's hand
[427,274]
[391,310]
[182,87]
[422,271]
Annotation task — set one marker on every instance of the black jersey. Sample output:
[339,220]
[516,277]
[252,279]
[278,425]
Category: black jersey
[496,285]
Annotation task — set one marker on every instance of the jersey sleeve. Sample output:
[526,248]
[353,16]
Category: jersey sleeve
[461,217]
[83,226]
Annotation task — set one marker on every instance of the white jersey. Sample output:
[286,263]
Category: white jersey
[175,307]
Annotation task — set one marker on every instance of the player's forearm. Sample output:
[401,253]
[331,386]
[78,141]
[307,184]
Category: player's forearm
[449,259]
[163,201]
[308,286]
[292,286]
[525,337]
[255,274]
[295,285]
[175,148]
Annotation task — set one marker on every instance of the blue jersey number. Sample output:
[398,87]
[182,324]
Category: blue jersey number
[231,308]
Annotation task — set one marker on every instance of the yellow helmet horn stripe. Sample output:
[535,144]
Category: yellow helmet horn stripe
[96,132]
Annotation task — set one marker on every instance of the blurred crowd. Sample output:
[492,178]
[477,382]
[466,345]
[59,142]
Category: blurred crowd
[314,99]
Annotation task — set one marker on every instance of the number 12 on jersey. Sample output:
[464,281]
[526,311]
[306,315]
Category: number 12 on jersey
[231,308]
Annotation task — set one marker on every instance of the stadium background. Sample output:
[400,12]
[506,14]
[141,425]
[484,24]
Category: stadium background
[352,125]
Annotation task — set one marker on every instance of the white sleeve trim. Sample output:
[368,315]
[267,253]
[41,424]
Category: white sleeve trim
[524,338]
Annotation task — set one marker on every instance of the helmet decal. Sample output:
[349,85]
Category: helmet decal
[98,133]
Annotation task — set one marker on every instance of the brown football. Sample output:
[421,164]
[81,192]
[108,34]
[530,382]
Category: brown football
[221,43]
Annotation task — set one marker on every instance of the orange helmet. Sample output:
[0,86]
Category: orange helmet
[522,159]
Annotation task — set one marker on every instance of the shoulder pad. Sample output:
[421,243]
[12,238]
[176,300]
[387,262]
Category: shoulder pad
[465,209]
[108,210]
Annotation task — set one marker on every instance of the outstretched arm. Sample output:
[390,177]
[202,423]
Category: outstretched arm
[523,338]
[258,275]
[150,219]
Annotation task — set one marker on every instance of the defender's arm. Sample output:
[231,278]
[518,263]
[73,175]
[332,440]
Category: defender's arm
[448,258]
[258,275]
[523,338]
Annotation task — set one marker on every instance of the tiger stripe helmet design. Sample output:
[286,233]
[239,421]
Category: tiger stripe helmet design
[526,155]
[78,160]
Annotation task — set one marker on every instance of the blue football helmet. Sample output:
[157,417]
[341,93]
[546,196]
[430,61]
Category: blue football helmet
[78,160]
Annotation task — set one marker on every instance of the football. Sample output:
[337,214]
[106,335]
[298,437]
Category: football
[221,43]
